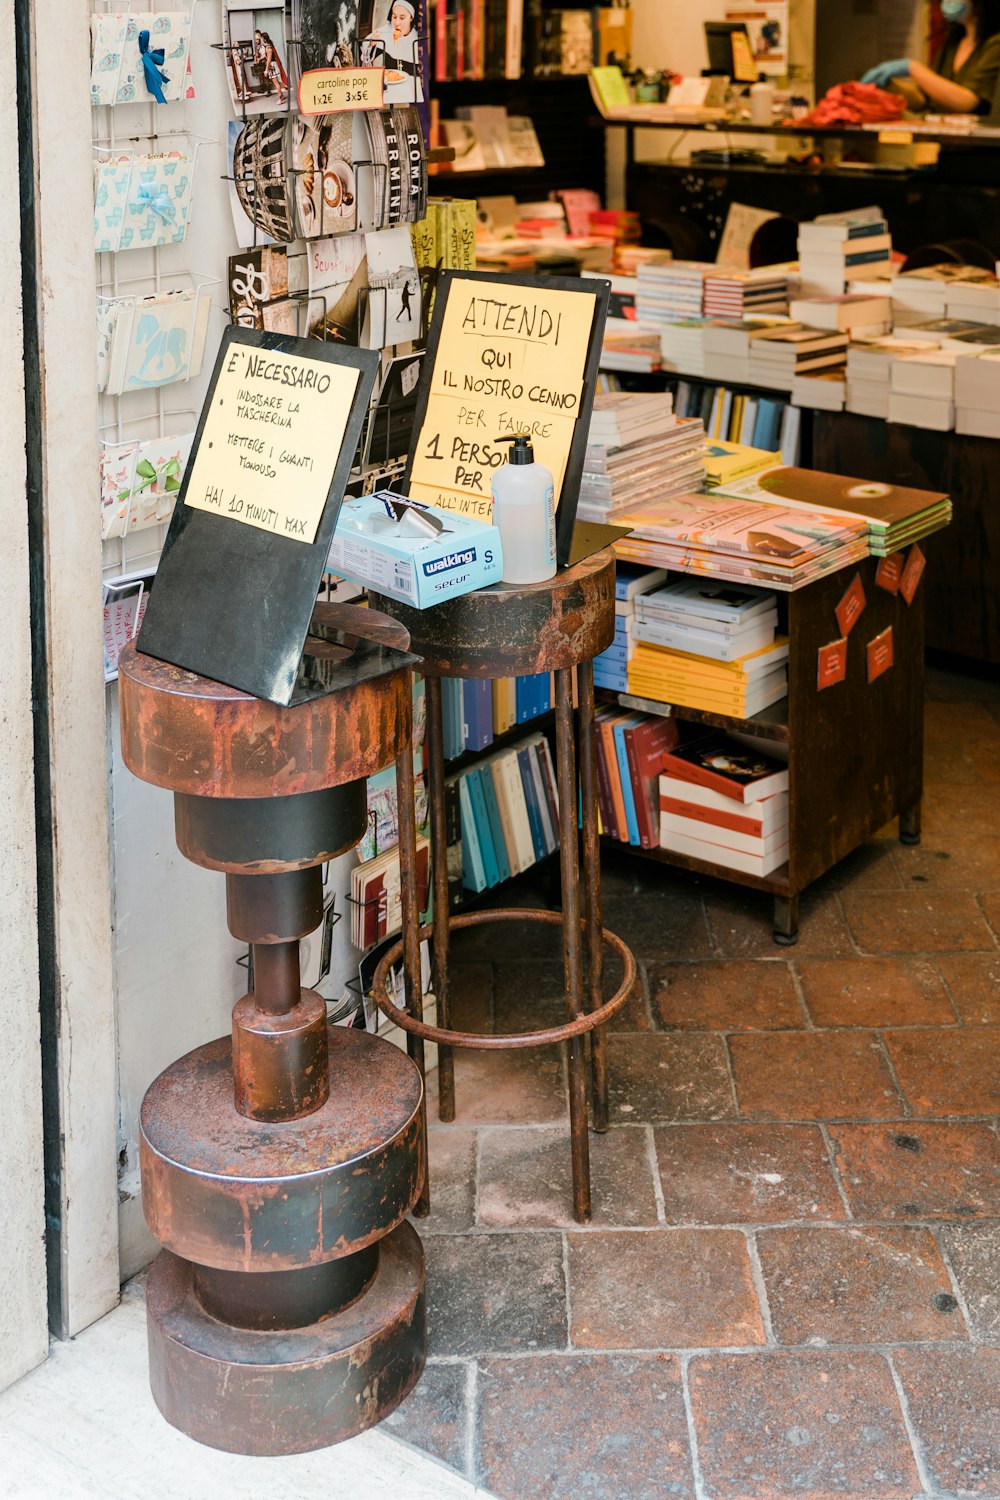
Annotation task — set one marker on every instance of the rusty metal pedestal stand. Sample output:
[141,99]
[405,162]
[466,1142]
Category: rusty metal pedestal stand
[286,1311]
[513,631]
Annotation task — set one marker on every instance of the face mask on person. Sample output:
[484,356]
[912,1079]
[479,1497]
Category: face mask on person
[955,12]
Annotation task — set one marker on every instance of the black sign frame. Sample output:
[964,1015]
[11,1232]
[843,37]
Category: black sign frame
[233,602]
[594,287]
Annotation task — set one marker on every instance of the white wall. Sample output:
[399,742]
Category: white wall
[23,1316]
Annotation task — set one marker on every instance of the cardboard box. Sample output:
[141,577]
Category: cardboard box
[419,554]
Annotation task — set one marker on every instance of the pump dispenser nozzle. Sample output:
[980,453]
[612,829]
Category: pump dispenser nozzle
[521,450]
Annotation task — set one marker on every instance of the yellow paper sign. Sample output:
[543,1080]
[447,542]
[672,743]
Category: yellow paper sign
[330,91]
[271,440]
[509,359]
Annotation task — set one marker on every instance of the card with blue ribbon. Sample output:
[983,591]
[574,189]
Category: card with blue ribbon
[158,201]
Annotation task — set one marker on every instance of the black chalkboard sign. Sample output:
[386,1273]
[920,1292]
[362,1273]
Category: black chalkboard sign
[507,354]
[257,509]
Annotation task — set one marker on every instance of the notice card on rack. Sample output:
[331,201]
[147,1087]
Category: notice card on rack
[257,509]
[506,355]
[271,440]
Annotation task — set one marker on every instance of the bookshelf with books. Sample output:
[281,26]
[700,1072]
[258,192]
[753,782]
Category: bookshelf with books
[854,750]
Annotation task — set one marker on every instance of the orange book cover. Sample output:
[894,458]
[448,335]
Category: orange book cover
[614,776]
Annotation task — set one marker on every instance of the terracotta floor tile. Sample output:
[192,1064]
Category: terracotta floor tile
[874,992]
[974,982]
[584,1427]
[658,924]
[950,724]
[916,921]
[857,1286]
[506,1088]
[974,1252]
[869,868]
[436,1416]
[470,995]
[741,995]
[741,924]
[745,1174]
[953,1072]
[990,903]
[954,1401]
[525,1178]
[805,1426]
[532,995]
[946,860]
[662,1078]
[919,1170]
[813,1075]
[495,1293]
[662,1289]
[452,1180]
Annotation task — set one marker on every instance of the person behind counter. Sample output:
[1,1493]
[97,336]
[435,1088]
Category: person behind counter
[966,71]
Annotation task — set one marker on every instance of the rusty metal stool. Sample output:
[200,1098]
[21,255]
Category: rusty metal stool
[513,631]
[286,1310]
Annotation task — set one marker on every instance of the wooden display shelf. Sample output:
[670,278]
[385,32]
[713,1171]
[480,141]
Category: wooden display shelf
[855,750]
[771,723]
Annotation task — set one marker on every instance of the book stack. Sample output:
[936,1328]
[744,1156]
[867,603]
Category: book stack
[504,812]
[974,295]
[611,667]
[629,751]
[837,248]
[726,346]
[732,417]
[376,899]
[720,621]
[724,801]
[858,316]
[638,451]
[631,346]
[682,346]
[727,462]
[826,391]
[716,536]
[869,363]
[922,390]
[955,291]
[671,291]
[977,394]
[730,293]
[476,710]
[778,356]
[893,516]
[740,688]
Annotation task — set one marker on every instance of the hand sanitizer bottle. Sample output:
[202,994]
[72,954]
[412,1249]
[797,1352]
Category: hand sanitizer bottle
[524,513]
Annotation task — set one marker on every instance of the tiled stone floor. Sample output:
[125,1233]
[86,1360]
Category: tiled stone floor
[790,1289]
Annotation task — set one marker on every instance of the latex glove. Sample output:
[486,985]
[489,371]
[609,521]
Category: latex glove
[883,75]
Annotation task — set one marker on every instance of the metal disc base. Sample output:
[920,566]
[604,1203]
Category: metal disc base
[291,1390]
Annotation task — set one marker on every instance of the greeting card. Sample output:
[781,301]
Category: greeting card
[393,311]
[259,190]
[258,290]
[154,62]
[255,46]
[107,41]
[140,481]
[124,607]
[389,38]
[112,175]
[160,342]
[111,313]
[158,201]
[327,31]
[338,282]
[117,471]
[159,469]
[322,171]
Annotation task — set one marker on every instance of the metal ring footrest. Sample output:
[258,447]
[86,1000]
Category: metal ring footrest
[553,1034]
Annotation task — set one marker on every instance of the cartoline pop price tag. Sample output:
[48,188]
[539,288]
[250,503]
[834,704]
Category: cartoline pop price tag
[331,91]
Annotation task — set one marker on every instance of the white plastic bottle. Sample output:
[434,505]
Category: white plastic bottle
[524,512]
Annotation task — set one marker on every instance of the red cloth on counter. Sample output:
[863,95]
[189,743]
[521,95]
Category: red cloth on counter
[856,104]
